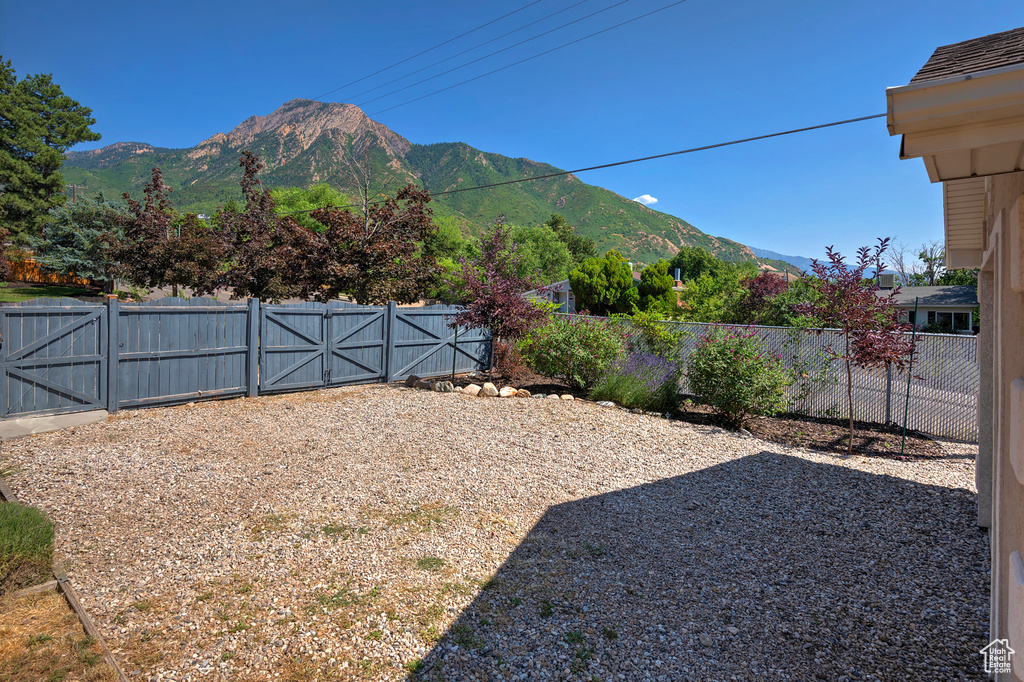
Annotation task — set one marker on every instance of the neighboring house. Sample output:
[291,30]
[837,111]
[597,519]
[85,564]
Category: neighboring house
[963,114]
[559,292]
[947,306]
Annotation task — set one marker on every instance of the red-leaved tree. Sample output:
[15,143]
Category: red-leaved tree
[493,291]
[371,255]
[869,328]
[755,306]
[266,254]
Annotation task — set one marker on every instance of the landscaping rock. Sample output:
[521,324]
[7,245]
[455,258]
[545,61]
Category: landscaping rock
[553,396]
[539,395]
[522,393]
[424,384]
[411,380]
[605,403]
[472,389]
[566,396]
[488,391]
[444,387]
[507,392]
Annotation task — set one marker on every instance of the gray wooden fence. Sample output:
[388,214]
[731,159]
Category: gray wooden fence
[63,355]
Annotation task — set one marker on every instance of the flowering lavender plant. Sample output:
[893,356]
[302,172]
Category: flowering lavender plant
[641,380]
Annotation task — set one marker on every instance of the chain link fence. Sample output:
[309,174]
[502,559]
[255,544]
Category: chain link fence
[940,398]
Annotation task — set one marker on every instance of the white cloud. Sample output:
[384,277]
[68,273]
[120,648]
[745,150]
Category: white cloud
[645,199]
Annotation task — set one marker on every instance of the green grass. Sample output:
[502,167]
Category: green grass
[26,546]
[430,563]
[19,294]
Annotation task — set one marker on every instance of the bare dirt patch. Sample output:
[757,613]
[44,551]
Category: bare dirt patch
[41,638]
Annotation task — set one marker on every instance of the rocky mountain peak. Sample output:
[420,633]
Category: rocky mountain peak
[306,120]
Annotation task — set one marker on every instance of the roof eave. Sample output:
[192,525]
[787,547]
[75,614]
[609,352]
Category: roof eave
[962,126]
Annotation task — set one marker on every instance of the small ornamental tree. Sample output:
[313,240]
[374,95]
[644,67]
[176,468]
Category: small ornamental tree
[493,291]
[870,332]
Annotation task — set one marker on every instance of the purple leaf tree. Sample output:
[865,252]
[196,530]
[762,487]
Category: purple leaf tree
[493,292]
[870,333]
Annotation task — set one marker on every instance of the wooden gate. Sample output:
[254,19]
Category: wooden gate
[53,357]
[358,343]
[423,344]
[310,345]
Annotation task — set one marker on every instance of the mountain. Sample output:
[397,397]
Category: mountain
[305,142]
[799,261]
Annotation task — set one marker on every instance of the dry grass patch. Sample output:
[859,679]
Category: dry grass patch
[41,638]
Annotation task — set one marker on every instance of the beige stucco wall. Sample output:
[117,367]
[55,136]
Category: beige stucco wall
[1001,354]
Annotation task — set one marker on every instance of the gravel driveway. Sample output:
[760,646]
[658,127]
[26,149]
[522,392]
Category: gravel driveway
[379,532]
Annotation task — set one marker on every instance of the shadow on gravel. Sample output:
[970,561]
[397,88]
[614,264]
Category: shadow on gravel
[767,567]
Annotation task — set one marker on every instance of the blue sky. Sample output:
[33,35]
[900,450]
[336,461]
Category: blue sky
[697,73]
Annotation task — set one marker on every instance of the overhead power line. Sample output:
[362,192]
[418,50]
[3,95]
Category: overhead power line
[475,47]
[492,54]
[522,61]
[691,150]
[430,49]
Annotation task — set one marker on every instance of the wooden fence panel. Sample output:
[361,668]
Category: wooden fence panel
[64,355]
[53,357]
[177,350]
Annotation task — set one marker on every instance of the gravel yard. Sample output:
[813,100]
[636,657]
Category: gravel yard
[380,532]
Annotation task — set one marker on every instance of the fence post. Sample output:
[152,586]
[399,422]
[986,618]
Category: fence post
[253,354]
[113,352]
[5,398]
[888,393]
[389,345]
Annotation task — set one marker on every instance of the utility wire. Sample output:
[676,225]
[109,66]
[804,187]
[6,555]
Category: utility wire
[431,49]
[475,47]
[488,56]
[623,163]
[521,61]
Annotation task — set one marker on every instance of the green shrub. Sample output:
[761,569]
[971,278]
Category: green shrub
[644,380]
[730,371]
[577,350]
[650,334]
[26,546]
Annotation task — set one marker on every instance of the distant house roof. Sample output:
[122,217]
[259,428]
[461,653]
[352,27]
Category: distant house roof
[971,56]
[935,297]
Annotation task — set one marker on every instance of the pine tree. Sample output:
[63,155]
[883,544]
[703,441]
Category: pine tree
[38,124]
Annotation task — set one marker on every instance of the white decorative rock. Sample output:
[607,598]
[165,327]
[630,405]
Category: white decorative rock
[605,403]
[553,396]
[566,396]
[488,391]
[472,389]
[507,392]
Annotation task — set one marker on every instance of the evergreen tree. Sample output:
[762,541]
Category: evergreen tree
[655,290]
[79,239]
[579,246]
[604,285]
[38,124]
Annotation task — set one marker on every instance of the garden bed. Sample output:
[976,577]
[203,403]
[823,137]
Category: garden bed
[815,433]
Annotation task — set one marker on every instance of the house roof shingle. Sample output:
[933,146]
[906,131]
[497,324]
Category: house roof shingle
[971,56]
[930,297]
